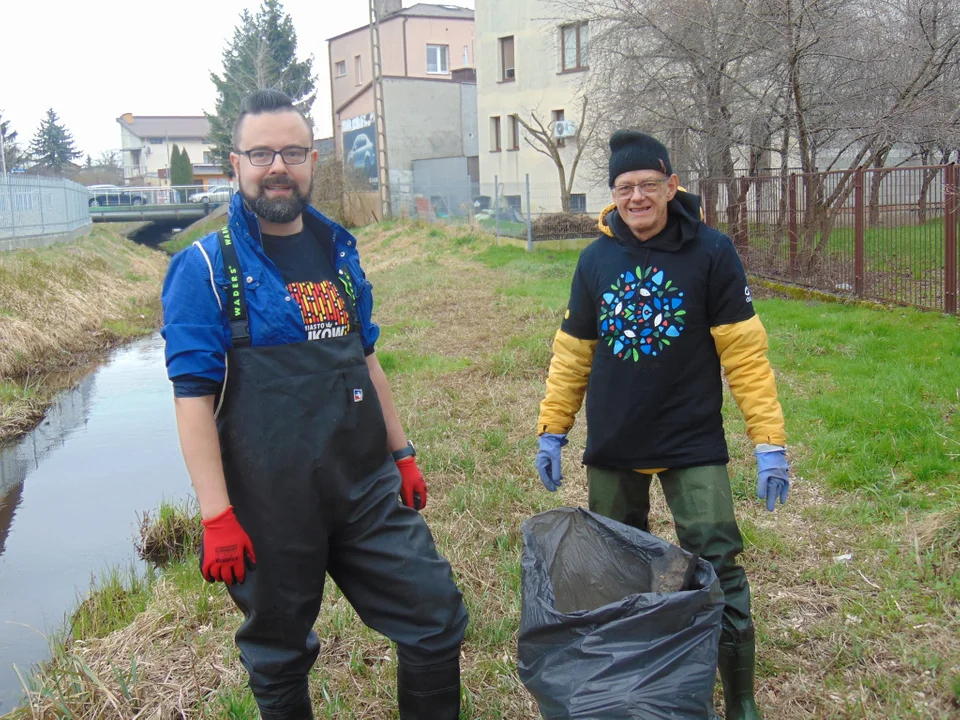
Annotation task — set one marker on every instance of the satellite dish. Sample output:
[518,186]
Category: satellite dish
[564,129]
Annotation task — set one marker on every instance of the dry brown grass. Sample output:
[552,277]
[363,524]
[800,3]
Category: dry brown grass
[62,306]
[837,639]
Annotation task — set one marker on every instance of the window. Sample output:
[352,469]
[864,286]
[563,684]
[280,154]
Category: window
[513,201]
[466,56]
[156,141]
[507,70]
[514,133]
[575,41]
[341,68]
[437,63]
[207,158]
[495,133]
[358,69]
[578,202]
[557,115]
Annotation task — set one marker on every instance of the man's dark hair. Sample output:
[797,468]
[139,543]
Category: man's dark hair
[266,101]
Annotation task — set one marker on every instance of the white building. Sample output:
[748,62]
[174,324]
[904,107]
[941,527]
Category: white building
[529,66]
[147,141]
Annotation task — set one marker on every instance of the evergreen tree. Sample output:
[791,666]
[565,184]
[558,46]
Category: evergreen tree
[184,174]
[11,148]
[52,148]
[262,54]
[174,164]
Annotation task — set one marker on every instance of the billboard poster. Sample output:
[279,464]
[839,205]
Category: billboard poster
[360,147]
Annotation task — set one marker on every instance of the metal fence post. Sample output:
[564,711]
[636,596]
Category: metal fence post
[950,241]
[529,221]
[858,232]
[792,215]
[66,206]
[43,229]
[744,216]
[496,205]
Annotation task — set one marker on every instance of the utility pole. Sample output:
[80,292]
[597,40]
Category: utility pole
[3,157]
[383,170]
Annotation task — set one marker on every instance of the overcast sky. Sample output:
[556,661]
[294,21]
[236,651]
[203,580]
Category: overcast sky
[93,61]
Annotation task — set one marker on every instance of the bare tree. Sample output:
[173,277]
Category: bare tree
[690,72]
[859,75]
[540,136]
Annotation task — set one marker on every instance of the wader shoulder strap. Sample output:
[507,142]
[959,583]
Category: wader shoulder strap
[236,299]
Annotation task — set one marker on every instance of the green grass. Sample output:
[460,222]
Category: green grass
[877,393]
[194,232]
[870,397]
[906,249]
[407,362]
[115,600]
[507,227]
[170,534]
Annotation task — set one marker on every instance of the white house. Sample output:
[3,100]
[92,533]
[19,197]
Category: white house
[147,141]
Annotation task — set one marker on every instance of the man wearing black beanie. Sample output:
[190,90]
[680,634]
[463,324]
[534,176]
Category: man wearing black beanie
[659,302]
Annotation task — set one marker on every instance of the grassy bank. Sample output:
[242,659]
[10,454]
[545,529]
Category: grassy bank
[63,305]
[195,231]
[855,582]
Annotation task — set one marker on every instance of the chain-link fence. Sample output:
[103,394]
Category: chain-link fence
[37,210]
[887,234]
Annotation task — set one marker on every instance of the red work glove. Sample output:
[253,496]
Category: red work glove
[226,549]
[413,490]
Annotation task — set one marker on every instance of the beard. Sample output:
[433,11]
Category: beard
[279,209]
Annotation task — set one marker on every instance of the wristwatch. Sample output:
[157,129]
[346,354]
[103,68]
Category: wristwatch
[405,452]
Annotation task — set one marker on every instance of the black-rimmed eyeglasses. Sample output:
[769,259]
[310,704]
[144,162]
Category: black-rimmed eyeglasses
[263,157]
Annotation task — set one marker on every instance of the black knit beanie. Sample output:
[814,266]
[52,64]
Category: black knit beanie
[632,150]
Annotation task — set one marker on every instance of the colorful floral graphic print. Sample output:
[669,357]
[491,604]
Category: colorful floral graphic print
[641,313]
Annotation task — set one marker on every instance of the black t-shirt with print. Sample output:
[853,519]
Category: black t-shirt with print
[654,393]
[305,262]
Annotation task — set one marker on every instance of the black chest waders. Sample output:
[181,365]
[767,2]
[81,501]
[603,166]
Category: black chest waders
[308,473]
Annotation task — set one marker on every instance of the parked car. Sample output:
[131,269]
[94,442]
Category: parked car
[102,195]
[217,193]
[362,154]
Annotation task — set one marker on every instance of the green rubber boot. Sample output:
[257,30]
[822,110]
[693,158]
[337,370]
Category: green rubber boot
[736,666]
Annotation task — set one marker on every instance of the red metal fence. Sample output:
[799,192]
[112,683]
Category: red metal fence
[886,234]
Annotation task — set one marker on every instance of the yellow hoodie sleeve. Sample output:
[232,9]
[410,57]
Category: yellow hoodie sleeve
[742,348]
[566,383]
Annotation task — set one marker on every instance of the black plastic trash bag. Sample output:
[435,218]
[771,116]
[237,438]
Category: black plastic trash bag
[616,623]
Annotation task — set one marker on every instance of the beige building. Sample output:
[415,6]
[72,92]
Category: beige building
[146,142]
[528,66]
[429,99]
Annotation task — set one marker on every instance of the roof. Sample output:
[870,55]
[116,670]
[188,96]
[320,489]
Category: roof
[426,10]
[166,126]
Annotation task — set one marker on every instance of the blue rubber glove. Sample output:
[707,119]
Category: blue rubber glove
[548,460]
[773,474]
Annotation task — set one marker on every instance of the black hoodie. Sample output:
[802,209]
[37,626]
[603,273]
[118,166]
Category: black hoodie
[654,394]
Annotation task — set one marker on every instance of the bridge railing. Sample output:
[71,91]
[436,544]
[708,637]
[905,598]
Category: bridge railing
[113,196]
[36,210]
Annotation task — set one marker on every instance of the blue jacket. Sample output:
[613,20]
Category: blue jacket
[195,328]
